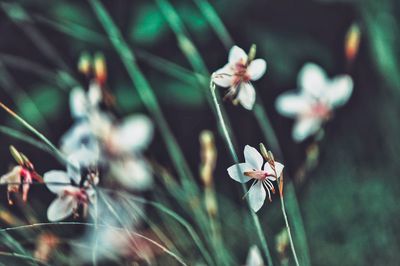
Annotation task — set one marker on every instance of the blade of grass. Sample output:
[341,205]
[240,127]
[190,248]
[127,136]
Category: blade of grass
[53,148]
[39,225]
[198,65]
[19,96]
[143,87]
[21,18]
[60,78]
[291,198]
[233,153]
[215,22]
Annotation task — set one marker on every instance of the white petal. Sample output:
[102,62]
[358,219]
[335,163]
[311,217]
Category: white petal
[254,258]
[61,208]
[305,127]
[312,79]
[101,124]
[56,176]
[236,172]
[257,69]
[236,55]
[134,174]
[290,104]
[78,103]
[278,169]
[247,95]
[224,76]
[94,94]
[80,135]
[134,134]
[257,195]
[339,90]
[253,157]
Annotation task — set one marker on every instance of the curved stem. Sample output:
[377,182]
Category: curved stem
[293,208]
[228,140]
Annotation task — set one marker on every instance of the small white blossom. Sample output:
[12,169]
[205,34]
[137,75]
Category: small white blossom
[262,175]
[71,193]
[314,103]
[83,103]
[237,74]
[254,257]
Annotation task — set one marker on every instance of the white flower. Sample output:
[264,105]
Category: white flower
[236,75]
[254,257]
[70,195]
[315,102]
[263,176]
[82,103]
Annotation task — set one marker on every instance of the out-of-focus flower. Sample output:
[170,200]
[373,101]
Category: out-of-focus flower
[24,174]
[238,73]
[254,257]
[45,245]
[82,103]
[119,146]
[262,176]
[72,192]
[314,104]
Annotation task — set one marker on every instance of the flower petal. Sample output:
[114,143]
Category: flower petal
[56,176]
[254,258]
[80,135]
[312,79]
[236,55]
[247,95]
[305,127]
[77,103]
[278,168]
[257,195]
[236,172]
[133,135]
[270,172]
[253,157]
[339,90]
[61,208]
[94,94]
[257,69]
[290,104]
[224,76]
[133,173]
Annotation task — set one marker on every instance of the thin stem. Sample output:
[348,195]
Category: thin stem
[228,140]
[293,205]
[288,229]
[215,22]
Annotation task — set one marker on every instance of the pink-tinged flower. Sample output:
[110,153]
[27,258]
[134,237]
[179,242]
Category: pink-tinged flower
[314,103]
[262,175]
[21,175]
[254,257]
[237,74]
[71,193]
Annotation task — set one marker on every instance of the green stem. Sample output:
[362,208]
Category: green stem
[293,205]
[228,140]
[288,230]
[215,22]
[53,148]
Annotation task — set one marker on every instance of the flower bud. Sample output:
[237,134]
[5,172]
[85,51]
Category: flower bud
[100,68]
[84,63]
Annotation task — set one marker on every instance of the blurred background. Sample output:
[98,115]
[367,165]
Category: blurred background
[349,200]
